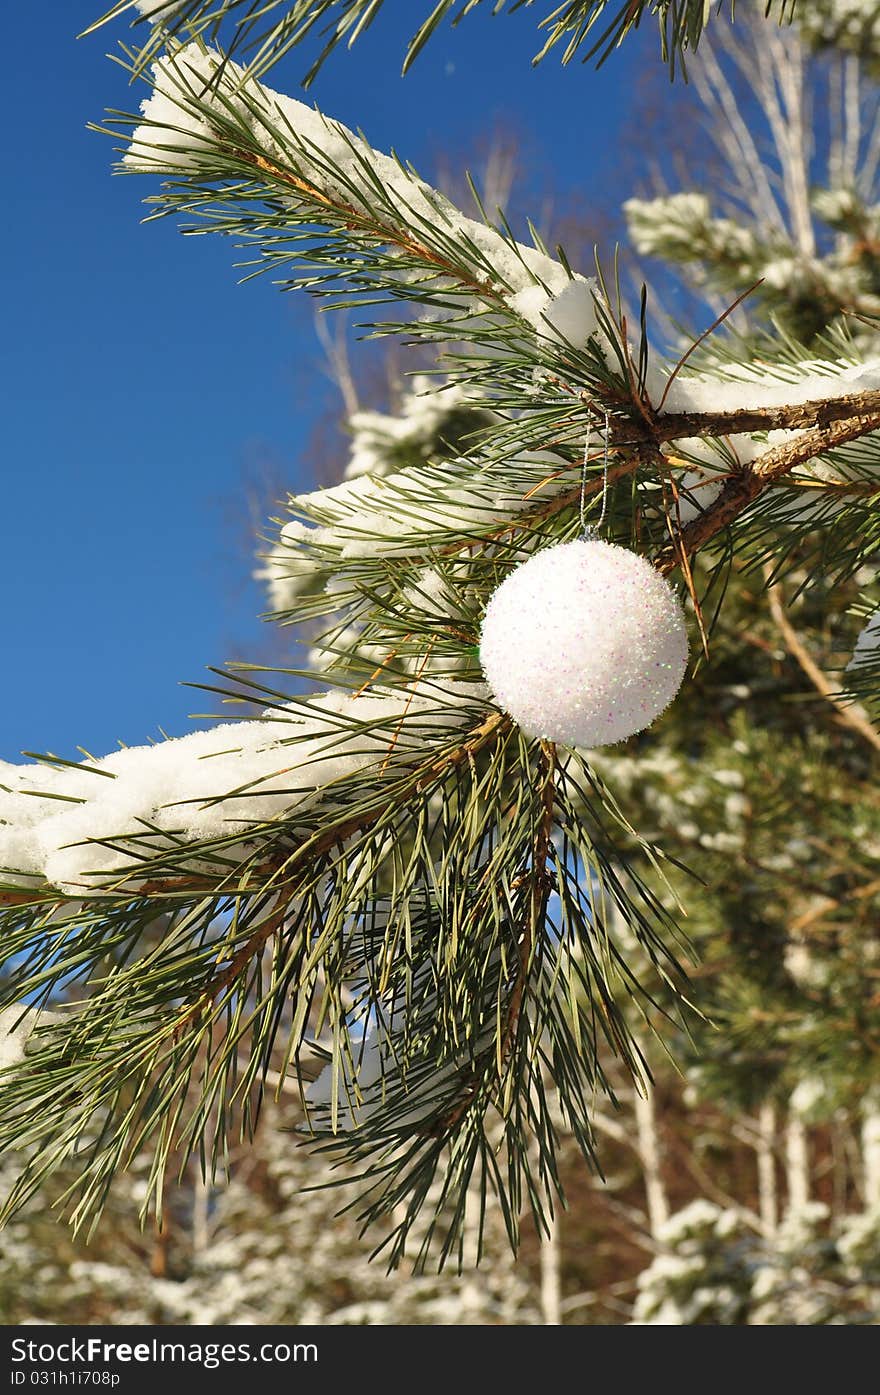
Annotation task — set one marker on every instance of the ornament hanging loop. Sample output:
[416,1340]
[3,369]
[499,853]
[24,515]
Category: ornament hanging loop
[590,531]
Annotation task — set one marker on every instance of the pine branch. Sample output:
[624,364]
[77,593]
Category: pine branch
[357,220]
[746,485]
[848,713]
[279,874]
[340,218]
[265,33]
[817,413]
[441,905]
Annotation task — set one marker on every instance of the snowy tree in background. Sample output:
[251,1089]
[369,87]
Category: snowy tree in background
[716,1270]
[454,932]
[258,1250]
[792,148]
[852,26]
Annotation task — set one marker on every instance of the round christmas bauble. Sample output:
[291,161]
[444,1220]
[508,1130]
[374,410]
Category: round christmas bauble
[584,644]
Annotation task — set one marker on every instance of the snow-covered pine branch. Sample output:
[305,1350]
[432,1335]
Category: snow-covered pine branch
[214,900]
[796,206]
[209,121]
[84,827]
[383,512]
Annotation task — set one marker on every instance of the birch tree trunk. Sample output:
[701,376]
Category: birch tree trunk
[200,1214]
[768,1198]
[871,1152]
[649,1150]
[797,1163]
[551,1273]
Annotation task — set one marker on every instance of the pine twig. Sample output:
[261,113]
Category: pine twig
[540,890]
[744,486]
[820,412]
[313,847]
[849,714]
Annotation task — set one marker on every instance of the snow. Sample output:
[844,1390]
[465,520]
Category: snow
[379,440]
[209,784]
[403,514]
[843,23]
[430,589]
[17,1024]
[836,206]
[375,1081]
[363,1087]
[178,135]
[697,1215]
[867,643]
[192,90]
[193,104]
[751,387]
[382,445]
[158,9]
[681,227]
[357,1092]
[652,222]
[782,273]
[757,386]
[811,1099]
[568,317]
[699,485]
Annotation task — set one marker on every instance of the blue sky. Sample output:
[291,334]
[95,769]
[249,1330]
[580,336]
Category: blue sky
[140,379]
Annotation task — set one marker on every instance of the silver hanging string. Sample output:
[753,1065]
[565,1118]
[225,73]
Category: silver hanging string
[591,530]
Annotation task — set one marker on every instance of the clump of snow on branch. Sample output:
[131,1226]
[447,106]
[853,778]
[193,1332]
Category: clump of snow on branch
[867,644]
[209,784]
[157,10]
[569,317]
[402,514]
[749,386]
[17,1026]
[381,441]
[428,423]
[200,100]
[681,227]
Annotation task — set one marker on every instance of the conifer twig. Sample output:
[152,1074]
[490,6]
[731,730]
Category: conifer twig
[849,714]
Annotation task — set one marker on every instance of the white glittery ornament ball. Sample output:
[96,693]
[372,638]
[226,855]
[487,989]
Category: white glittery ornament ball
[584,644]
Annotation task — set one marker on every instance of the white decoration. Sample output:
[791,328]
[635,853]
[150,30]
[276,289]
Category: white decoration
[584,644]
